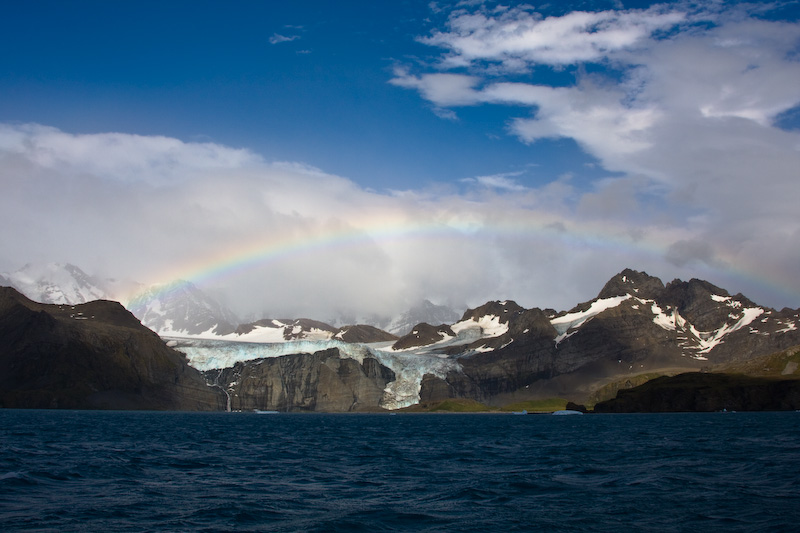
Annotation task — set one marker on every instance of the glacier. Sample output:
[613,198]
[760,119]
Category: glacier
[409,367]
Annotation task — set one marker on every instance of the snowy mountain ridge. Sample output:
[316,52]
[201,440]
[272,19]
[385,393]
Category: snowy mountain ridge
[696,317]
[700,316]
[57,283]
[180,308]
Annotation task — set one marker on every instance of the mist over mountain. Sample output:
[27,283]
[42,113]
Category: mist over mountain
[57,283]
[427,312]
[180,308]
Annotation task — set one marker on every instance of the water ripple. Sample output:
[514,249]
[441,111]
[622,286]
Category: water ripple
[241,472]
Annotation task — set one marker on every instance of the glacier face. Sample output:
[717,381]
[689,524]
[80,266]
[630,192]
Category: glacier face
[409,367]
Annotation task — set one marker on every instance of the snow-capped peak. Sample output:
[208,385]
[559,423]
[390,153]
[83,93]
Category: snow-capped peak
[56,283]
[181,308]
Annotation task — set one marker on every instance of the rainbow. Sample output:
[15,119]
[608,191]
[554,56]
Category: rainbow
[385,230]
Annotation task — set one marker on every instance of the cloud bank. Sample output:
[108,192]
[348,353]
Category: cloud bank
[680,111]
[288,239]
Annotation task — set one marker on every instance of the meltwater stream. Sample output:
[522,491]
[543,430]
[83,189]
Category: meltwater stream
[146,471]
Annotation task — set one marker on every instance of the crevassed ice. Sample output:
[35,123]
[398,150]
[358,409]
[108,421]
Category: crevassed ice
[409,369]
[259,334]
[208,354]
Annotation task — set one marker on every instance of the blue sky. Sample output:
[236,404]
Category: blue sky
[560,143]
[303,81]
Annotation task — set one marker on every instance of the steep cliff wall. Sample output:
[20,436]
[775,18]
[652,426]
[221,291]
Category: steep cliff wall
[322,381]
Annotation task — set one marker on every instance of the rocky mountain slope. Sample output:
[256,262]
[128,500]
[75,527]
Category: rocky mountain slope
[270,330]
[501,353]
[706,392]
[635,325]
[92,355]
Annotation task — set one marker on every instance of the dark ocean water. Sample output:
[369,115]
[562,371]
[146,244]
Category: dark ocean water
[145,471]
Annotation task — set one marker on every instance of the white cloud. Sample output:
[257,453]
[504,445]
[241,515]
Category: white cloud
[686,118]
[278,38]
[703,184]
[595,116]
[119,156]
[441,89]
[503,181]
[518,37]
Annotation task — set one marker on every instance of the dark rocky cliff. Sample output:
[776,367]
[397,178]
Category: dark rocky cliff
[95,355]
[766,383]
[322,381]
[706,392]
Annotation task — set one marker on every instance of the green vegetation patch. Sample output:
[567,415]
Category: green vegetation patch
[453,405]
[547,405]
[458,405]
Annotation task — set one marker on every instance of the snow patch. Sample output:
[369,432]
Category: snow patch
[709,340]
[575,320]
[664,320]
[489,325]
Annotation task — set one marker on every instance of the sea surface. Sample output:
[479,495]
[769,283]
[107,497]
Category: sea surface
[155,471]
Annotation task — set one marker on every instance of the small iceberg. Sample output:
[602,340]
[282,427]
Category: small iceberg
[567,412]
[523,412]
[260,412]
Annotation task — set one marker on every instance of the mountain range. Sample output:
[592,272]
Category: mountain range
[636,325]
[181,309]
[498,354]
